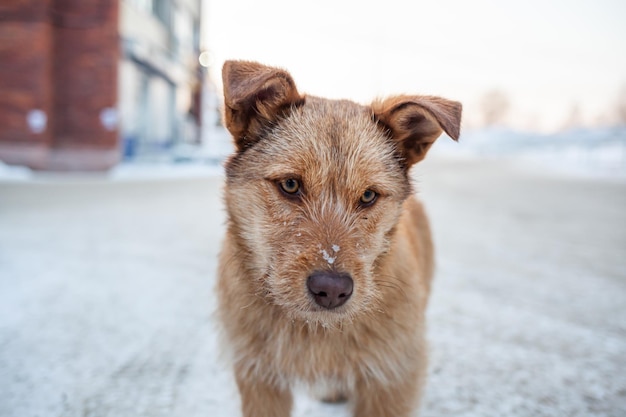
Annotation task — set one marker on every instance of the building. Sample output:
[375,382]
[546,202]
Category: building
[160,77]
[84,84]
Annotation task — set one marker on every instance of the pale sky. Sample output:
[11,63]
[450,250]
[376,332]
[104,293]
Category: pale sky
[547,56]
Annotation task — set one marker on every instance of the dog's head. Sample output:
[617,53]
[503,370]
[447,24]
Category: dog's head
[315,188]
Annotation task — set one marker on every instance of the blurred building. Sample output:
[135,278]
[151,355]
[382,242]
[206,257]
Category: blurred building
[160,77]
[84,84]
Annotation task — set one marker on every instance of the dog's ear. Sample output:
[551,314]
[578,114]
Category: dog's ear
[415,122]
[255,96]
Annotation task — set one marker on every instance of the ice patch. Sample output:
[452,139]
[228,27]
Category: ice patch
[336,248]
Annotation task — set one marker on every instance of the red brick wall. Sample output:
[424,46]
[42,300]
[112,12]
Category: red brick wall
[85,71]
[59,56]
[25,76]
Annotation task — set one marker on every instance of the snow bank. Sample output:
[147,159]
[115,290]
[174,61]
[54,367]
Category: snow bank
[159,171]
[14,173]
[599,152]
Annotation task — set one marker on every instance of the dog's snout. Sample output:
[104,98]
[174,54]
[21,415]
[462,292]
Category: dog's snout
[330,289]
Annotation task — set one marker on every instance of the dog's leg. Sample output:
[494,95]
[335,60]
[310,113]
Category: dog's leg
[260,399]
[382,400]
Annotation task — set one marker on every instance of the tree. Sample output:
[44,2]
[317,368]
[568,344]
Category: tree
[574,119]
[495,107]
[621,105]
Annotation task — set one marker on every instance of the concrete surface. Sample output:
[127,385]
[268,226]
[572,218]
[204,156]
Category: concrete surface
[106,296]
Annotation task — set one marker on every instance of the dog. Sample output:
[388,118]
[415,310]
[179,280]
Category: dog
[326,267]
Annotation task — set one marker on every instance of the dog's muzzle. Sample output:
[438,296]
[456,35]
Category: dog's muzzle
[330,289]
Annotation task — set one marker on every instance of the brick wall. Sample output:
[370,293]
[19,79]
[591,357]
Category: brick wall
[58,65]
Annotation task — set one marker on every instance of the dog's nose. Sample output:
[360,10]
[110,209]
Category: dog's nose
[330,289]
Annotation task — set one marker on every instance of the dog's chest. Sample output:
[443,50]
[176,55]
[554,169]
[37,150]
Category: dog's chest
[314,354]
[322,356]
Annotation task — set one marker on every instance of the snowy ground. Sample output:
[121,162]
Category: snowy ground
[106,294]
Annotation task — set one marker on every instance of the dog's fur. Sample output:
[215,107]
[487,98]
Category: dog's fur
[370,349]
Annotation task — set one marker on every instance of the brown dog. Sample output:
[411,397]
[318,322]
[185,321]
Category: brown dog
[326,267]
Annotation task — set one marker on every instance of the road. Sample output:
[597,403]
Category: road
[106,296]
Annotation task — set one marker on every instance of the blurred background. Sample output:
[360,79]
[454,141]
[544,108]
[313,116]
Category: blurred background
[111,217]
[87,85]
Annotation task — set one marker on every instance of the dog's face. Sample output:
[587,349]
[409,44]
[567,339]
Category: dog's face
[316,187]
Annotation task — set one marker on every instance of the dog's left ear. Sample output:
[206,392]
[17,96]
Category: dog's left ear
[255,96]
[415,122]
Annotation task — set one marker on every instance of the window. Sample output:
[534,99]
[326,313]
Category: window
[161,9]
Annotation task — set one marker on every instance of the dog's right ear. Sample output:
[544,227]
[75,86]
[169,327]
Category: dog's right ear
[255,96]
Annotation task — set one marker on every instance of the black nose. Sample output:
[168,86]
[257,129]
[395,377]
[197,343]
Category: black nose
[330,289]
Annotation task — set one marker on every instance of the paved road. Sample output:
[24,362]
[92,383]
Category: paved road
[106,296]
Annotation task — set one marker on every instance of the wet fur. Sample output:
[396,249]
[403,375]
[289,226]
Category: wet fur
[371,349]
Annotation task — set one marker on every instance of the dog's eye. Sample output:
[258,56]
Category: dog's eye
[368,197]
[290,185]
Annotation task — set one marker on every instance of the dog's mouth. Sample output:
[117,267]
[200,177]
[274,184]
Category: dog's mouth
[319,294]
[316,315]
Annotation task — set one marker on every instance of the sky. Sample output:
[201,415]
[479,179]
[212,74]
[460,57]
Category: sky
[553,59]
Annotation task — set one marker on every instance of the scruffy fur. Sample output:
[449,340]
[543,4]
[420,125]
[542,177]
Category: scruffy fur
[370,350]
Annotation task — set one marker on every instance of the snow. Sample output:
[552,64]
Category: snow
[591,153]
[147,171]
[14,173]
[107,300]
[327,257]
[325,254]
